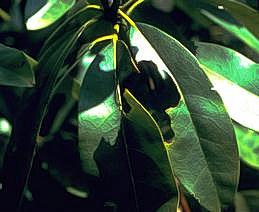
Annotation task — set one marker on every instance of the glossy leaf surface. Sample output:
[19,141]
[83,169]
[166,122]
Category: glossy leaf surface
[144,140]
[239,31]
[248,144]
[5,127]
[196,121]
[49,13]
[235,78]
[246,15]
[16,68]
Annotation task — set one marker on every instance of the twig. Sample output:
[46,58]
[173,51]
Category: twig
[183,202]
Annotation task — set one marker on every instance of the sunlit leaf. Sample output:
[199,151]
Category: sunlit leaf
[246,15]
[201,141]
[230,64]
[76,192]
[16,68]
[99,117]
[5,127]
[49,13]
[248,144]
[239,31]
[235,78]
[31,8]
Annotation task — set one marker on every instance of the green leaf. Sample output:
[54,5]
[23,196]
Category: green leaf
[99,114]
[230,64]
[16,68]
[235,78]
[4,15]
[72,23]
[86,32]
[21,149]
[151,174]
[93,76]
[31,8]
[246,15]
[248,145]
[168,206]
[49,13]
[250,199]
[5,127]
[144,139]
[239,31]
[192,9]
[204,148]
[100,126]
[251,3]
[76,192]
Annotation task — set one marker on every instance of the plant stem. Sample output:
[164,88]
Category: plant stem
[127,5]
[183,202]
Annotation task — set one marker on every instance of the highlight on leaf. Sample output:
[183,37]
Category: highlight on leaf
[245,14]
[203,106]
[99,114]
[236,79]
[127,117]
[49,13]
[5,127]
[248,145]
[240,32]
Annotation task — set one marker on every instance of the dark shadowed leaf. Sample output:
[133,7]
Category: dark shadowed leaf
[252,3]
[16,68]
[246,15]
[27,128]
[236,29]
[168,206]
[73,22]
[202,151]
[149,159]
[235,78]
[192,8]
[85,33]
[250,200]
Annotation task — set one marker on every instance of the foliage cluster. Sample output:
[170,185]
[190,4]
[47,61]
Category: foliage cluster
[109,105]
